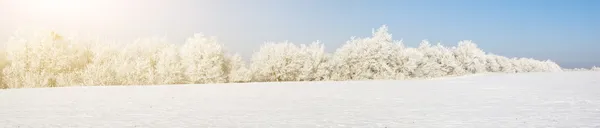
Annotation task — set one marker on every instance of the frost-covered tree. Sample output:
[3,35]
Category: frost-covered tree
[169,69]
[505,64]
[471,57]
[276,62]
[531,65]
[493,63]
[204,60]
[316,66]
[595,68]
[518,65]
[101,70]
[577,69]
[409,59]
[136,62]
[367,58]
[551,66]
[237,70]
[450,64]
[3,63]
[47,60]
[430,65]
[288,62]
[51,60]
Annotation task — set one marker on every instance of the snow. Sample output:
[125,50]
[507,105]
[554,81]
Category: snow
[565,99]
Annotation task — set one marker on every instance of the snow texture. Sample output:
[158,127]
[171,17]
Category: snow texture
[560,99]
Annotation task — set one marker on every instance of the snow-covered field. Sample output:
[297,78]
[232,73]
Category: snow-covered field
[567,99]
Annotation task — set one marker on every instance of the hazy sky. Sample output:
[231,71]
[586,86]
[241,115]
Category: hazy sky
[566,31]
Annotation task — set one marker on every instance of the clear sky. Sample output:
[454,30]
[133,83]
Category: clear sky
[566,31]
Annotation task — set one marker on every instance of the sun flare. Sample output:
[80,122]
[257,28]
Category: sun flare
[53,6]
[61,5]
[65,14]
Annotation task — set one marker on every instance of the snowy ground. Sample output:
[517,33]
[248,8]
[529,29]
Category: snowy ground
[568,100]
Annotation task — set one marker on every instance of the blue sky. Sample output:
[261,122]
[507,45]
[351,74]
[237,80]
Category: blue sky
[566,31]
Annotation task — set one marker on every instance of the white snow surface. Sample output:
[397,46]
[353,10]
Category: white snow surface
[565,99]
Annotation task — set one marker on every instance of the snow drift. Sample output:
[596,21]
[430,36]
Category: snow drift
[51,60]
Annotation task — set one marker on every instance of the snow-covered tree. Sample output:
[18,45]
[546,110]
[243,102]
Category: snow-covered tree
[277,62]
[551,66]
[237,70]
[51,60]
[47,60]
[101,70]
[471,57]
[531,65]
[136,62]
[169,69]
[505,64]
[367,58]
[430,65]
[493,63]
[288,62]
[316,65]
[577,69]
[450,64]
[204,60]
[595,68]
[3,63]
[409,59]
[518,65]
